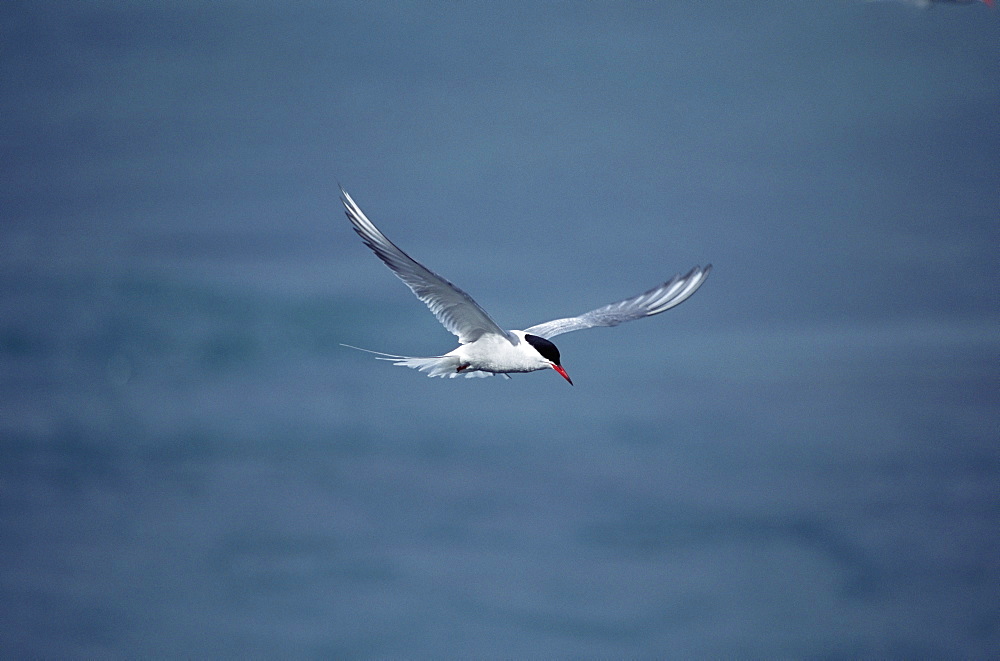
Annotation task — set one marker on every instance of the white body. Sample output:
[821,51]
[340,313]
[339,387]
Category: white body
[498,355]
[489,355]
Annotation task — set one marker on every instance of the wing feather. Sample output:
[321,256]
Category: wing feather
[656,300]
[455,309]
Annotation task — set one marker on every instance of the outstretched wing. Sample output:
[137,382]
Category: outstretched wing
[656,300]
[453,307]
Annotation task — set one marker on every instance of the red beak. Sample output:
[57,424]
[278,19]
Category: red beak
[561,371]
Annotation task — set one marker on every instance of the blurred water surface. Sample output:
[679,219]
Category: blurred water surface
[195,471]
[800,461]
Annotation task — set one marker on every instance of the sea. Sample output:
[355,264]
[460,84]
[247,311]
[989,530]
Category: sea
[802,461]
[191,468]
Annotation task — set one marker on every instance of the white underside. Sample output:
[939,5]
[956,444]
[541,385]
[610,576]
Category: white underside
[443,366]
[490,354]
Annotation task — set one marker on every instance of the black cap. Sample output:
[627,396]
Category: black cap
[544,347]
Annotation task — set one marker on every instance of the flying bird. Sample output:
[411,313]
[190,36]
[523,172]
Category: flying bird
[484,348]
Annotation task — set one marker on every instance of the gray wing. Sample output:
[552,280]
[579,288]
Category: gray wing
[453,307]
[656,300]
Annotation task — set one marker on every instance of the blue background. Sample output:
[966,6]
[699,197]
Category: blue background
[802,460]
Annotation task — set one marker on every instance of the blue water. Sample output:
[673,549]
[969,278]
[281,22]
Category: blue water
[190,471]
[800,461]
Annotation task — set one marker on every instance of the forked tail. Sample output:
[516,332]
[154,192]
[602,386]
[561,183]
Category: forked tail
[443,366]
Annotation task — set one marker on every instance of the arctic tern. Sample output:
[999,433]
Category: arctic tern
[484,348]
